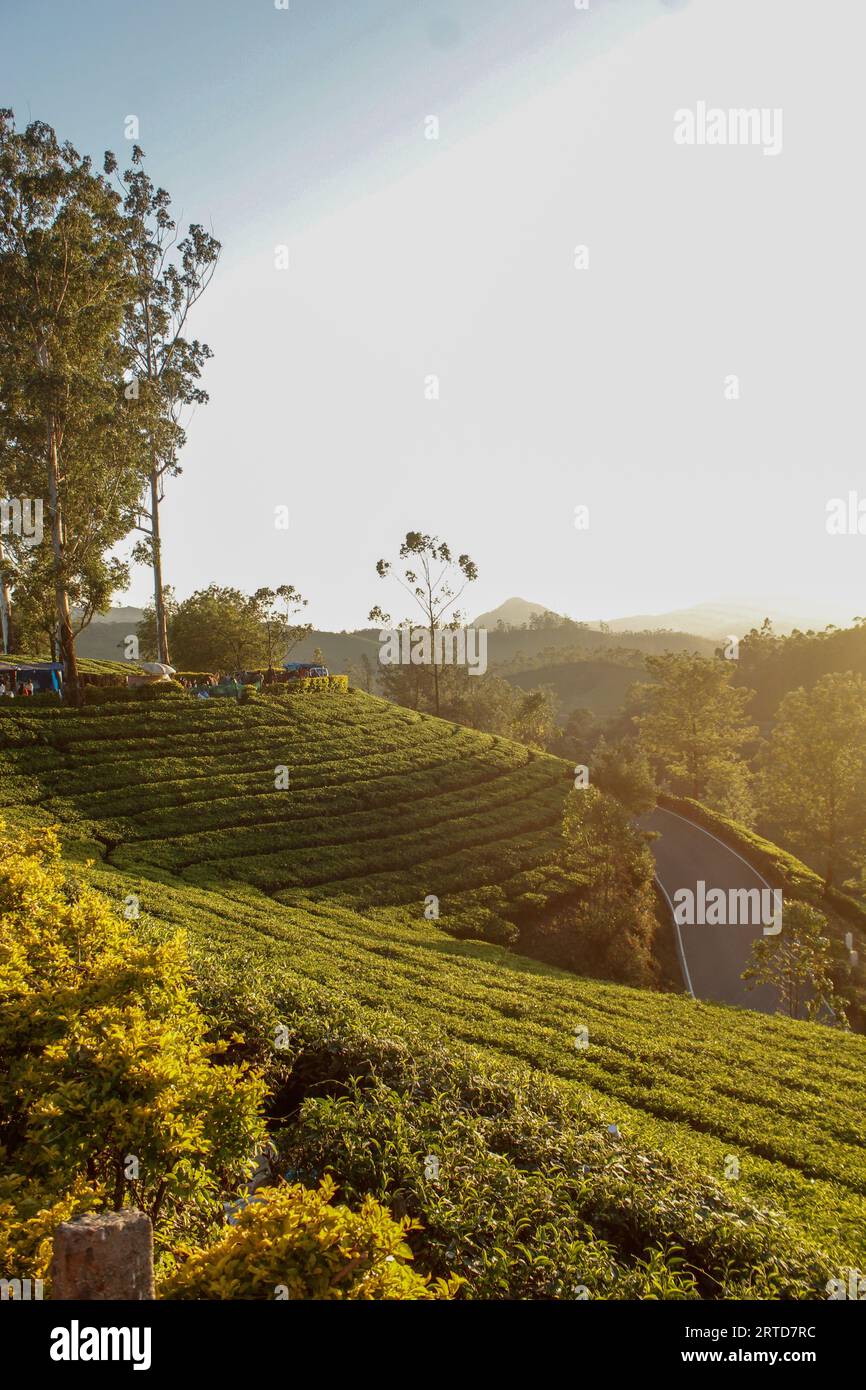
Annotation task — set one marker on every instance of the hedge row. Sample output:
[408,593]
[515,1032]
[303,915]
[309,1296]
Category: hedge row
[130,694]
[300,684]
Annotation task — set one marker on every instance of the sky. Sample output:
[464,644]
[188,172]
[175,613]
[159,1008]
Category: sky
[607,385]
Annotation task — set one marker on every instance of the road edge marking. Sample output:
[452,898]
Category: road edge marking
[704,831]
[684,965]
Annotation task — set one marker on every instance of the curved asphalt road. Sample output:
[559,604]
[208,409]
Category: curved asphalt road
[712,958]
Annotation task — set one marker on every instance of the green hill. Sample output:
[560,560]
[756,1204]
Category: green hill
[384,806]
[599,686]
[308,906]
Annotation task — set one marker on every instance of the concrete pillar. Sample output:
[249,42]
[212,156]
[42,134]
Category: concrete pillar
[109,1255]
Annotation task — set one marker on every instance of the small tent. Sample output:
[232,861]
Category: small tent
[45,675]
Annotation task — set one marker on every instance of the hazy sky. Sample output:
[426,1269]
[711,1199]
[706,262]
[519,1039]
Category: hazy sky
[411,257]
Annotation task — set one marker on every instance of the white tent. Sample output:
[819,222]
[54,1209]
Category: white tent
[156,668]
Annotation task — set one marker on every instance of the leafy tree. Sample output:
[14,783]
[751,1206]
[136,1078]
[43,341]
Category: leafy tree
[730,791]
[772,665]
[609,931]
[534,721]
[694,725]
[64,278]
[364,674]
[486,702]
[622,770]
[430,574]
[813,784]
[222,628]
[169,277]
[90,590]
[797,961]
[104,1057]
[577,737]
[279,609]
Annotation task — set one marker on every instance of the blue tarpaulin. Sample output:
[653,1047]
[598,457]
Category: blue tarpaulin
[45,675]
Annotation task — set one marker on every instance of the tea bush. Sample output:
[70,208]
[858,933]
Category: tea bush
[291,1242]
[405,1043]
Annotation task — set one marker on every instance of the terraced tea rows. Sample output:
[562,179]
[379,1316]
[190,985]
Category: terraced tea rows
[382,806]
[695,1080]
[177,804]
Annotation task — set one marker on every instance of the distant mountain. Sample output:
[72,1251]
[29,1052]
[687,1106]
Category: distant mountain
[733,617]
[714,620]
[104,637]
[513,610]
[118,615]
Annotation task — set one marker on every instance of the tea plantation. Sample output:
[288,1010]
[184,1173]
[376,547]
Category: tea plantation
[686,1150]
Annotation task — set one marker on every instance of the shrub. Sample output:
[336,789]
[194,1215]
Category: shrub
[104,1058]
[292,1242]
[305,684]
[108,694]
[482,924]
[606,927]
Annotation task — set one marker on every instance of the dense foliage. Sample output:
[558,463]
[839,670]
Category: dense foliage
[292,1242]
[109,1095]
[385,1045]
[771,665]
[813,779]
[694,729]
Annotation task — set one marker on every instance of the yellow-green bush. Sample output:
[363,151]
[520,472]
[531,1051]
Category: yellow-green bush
[292,1242]
[303,685]
[103,1059]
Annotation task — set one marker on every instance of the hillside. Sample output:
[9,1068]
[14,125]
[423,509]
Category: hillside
[310,902]
[384,806]
[514,611]
[597,685]
[104,638]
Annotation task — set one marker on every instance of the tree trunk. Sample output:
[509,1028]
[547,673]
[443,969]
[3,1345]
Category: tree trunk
[61,596]
[435,668]
[5,605]
[162,653]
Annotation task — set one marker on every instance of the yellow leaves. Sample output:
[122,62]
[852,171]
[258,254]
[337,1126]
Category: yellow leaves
[295,1238]
[106,1056]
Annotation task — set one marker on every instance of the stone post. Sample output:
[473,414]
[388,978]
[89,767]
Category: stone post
[104,1256]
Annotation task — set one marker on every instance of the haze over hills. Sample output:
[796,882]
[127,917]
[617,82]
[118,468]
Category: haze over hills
[105,637]
[725,616]
[714,619]
[709,622]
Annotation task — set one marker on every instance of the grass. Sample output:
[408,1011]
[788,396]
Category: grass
[311,902]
